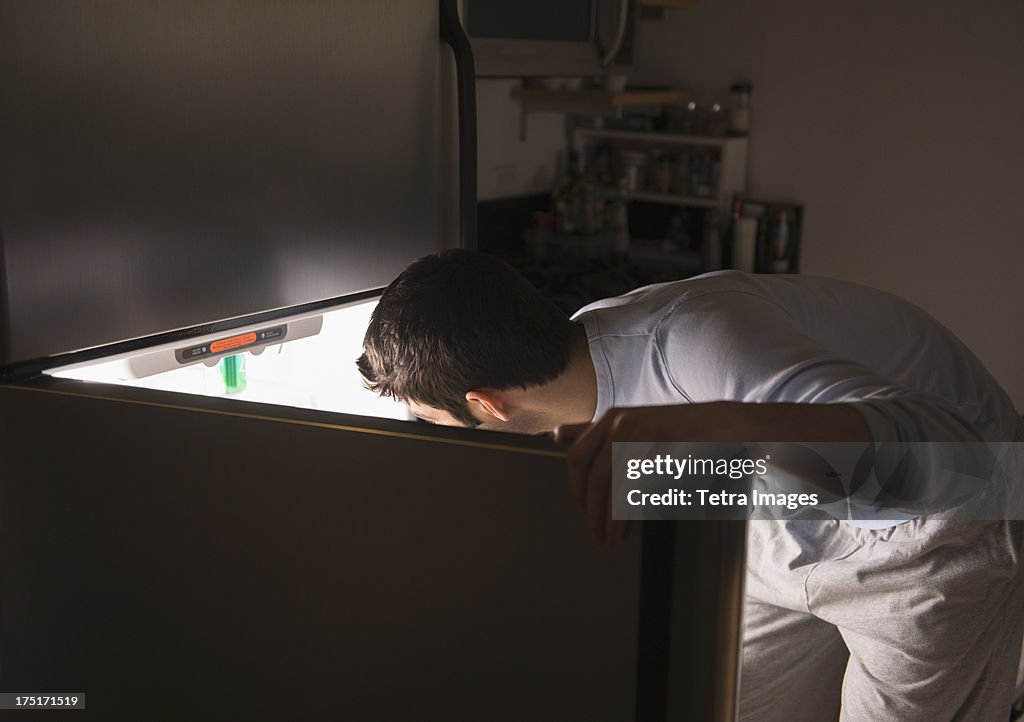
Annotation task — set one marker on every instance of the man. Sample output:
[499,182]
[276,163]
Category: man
[918,619]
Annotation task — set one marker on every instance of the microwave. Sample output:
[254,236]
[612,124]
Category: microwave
[522,38]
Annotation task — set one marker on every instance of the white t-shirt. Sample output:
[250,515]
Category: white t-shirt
[792,338]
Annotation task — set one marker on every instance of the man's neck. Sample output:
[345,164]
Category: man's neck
[572,397]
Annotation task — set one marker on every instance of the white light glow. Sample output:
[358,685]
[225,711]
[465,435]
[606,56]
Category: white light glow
[318,372]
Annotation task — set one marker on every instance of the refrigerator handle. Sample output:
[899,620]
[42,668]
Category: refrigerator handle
[454,37]
[6,352]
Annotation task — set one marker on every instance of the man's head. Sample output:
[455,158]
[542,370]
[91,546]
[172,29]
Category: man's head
[457,334]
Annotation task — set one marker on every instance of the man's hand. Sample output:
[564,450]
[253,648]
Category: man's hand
[590,456]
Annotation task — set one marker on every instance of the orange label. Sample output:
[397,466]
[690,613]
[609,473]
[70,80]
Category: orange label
[234,342]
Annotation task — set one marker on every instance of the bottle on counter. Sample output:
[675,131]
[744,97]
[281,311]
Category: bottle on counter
[575,192]
[618,221]
[661,172]
[744,245]
[634,168]
[711,245]
[560,205]
[729,230]
[780,242]
[591,207]
[602,166]
[702,171]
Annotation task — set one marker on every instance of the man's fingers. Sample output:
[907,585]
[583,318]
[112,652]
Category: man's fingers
[598,485]
[590,466]
[581,459]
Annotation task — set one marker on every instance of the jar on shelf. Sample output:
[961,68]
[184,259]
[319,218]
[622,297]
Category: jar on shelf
[739,110]
[715,121]
[634,165]
[701,174]
[681,174]
[660,176]
[689,119]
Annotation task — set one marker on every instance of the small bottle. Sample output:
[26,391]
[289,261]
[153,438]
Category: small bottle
[560,205]
[739,110]
[663,173]
[602,164]
[634,165]
[711,245]
[729,233]
[591,222]
[574,201]
[744,245]
[232,373]
[780,244]
[702,175]
[618,221]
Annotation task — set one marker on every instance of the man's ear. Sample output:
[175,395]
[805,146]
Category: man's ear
[489,401]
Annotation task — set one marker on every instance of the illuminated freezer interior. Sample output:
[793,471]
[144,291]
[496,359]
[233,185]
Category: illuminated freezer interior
[313,366]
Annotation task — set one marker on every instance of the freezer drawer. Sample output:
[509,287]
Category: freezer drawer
[173,556]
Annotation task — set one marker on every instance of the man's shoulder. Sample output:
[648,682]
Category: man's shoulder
[669,291]
[722,291]
[643,309]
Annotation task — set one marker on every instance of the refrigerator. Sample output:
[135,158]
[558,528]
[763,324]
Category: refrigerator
[202,512]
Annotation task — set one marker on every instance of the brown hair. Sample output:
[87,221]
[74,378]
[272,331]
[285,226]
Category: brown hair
[457,321]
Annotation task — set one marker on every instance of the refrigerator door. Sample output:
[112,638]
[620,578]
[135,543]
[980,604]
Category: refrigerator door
[175,163]
[181,557]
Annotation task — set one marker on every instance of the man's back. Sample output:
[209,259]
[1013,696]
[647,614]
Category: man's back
[771,338]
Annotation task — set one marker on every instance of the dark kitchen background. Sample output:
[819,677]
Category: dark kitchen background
[896,127]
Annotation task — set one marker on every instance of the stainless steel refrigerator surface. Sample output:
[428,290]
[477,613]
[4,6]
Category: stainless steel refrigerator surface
[166,164]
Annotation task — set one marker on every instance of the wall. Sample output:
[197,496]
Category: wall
[508,165]
[899,125]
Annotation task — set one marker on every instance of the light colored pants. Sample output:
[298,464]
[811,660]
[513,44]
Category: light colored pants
[922,621]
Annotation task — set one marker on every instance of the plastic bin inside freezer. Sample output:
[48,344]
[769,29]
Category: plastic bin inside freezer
[306,361]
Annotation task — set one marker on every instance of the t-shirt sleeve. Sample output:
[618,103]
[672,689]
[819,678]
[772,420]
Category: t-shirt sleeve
[742,347]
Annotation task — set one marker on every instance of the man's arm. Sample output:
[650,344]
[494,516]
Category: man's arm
[590,456]
[752,374]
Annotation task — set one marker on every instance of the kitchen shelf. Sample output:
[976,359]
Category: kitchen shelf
[668,3]
[600,98]
[731,152]
[670,199]
[636,136]
[596,102]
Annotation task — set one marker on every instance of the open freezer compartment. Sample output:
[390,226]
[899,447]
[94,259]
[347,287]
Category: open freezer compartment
[305,359]
[300,534]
